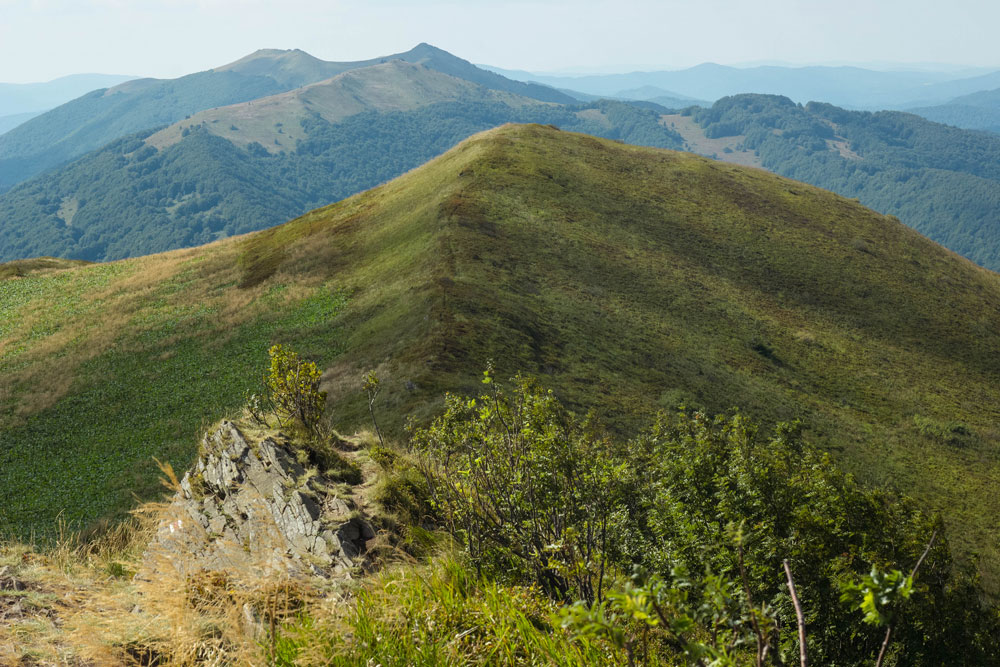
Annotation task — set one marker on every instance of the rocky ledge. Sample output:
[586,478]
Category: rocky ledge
[250,506]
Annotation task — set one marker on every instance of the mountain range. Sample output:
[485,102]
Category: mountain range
[243,167]
[93,120]
[976,111]
[21,98]
[250,165]
[850,87]
[20,102]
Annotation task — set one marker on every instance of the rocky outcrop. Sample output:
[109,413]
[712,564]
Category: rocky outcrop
[250,505]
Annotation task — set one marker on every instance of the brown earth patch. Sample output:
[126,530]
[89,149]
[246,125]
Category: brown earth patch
[727,149]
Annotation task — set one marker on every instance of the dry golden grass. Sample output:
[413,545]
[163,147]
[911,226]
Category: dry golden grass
[113,600]
[117,596]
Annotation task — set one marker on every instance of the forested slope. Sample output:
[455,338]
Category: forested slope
[942,181]
[101,116]
[131,199]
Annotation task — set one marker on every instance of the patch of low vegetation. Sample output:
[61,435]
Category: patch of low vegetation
[147,369]
[441,613]
[26,267]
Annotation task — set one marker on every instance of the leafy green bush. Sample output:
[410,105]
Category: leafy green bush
[525,487]
[535,494]
[384,456]
[294,387]
[652,616]
[695,476]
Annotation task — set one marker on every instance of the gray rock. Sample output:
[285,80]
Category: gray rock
[259,510]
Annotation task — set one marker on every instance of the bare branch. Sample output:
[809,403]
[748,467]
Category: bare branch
[803,659]
[888,630]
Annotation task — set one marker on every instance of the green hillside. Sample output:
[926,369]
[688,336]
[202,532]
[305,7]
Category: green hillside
[629,278]
[8,123]
[101,116]
[242,168]
[942,181]
[276,122]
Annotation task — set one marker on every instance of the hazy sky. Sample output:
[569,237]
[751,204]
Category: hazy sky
[44,39]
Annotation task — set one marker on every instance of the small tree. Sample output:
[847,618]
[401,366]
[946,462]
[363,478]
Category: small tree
[294,387]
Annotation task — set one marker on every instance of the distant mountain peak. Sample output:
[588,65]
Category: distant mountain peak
[424,46]
[89,122]
[269,55]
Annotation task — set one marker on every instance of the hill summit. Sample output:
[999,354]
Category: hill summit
[630,278]
[104,115]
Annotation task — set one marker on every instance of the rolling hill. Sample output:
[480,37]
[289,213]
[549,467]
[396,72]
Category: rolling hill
[101,116]
[978,111]
[630,278]
[942,181]
[22,98]
[249,166]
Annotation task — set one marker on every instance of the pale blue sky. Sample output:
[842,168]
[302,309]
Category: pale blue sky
[44,39]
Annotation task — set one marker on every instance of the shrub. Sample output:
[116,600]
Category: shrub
[527,488]
[294,387]
[536,495]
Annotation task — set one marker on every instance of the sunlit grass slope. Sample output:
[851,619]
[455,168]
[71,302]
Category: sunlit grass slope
[629,278]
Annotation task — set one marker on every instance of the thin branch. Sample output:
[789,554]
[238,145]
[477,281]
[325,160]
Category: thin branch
[803,659]
[923,555]
[885,645]
[753,612]
[888,630]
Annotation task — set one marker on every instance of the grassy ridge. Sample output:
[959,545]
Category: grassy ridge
[631,278]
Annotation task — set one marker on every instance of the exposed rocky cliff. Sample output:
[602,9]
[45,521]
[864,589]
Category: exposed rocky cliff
[255,505]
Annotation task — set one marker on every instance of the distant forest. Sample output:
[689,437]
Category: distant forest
[130,199]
